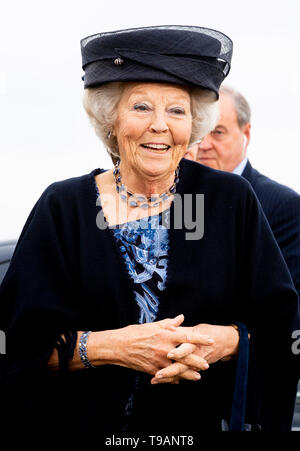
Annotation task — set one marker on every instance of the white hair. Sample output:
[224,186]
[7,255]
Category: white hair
[101,103]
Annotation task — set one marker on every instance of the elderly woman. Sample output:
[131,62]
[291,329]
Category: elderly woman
[113,303]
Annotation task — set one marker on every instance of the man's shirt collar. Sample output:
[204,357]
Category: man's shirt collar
[240,168]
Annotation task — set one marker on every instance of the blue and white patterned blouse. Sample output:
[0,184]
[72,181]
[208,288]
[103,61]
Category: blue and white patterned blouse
[144,246]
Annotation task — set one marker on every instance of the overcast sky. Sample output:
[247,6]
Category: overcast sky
[45,135]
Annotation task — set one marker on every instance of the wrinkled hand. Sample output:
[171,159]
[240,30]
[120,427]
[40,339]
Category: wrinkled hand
[145,347]
[226,342]
[188,357]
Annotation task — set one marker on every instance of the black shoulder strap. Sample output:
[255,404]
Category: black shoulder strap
[240,389]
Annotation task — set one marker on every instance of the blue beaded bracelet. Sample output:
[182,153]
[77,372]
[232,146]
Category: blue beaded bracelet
[82,349]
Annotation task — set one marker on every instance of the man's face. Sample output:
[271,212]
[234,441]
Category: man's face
[225,147]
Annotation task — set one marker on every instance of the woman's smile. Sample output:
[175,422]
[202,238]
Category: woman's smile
[156,148]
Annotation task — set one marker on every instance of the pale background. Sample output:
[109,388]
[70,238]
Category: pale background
[45,135]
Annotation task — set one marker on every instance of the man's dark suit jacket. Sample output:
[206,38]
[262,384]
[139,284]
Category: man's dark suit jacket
[281,206]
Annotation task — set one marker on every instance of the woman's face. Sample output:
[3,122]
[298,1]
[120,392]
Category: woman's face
[153,127]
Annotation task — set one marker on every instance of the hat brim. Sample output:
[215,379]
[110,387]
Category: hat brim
[105,71]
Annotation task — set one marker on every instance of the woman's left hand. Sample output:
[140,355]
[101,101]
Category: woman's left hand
[186,356]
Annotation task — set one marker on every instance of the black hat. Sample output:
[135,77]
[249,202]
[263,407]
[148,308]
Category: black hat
[180,54]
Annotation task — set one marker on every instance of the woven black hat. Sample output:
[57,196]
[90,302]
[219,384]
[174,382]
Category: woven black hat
[185,55]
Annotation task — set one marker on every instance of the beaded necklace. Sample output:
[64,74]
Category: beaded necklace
[138,200]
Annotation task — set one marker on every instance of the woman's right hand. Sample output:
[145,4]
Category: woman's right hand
[144,347]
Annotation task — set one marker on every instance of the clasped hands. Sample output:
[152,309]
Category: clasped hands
[171,352]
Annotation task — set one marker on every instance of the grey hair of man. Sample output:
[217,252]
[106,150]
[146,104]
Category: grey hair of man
[241,105]
[101,103]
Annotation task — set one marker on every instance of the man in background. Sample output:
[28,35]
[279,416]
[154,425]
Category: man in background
[225,149]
